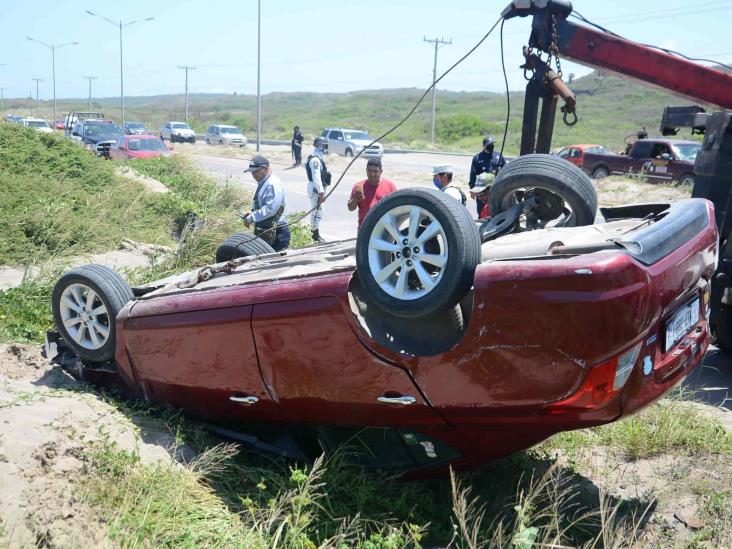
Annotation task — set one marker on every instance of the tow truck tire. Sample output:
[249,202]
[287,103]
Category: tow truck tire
[85,303]
[410,275]
[242,244]
[550,173]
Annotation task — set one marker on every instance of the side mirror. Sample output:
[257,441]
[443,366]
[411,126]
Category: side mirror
[665,156]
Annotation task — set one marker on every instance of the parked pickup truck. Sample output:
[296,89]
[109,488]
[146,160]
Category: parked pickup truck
[659,160]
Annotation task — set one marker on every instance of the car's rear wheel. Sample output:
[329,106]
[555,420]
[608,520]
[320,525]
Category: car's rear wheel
[348,153]
[600,172]
[85,303]
[563,194]
[416,252]
[221,141]
[207,141]
[686,180]
[242,244]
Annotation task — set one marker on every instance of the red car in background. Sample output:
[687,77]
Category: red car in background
[138,146]
[576,153]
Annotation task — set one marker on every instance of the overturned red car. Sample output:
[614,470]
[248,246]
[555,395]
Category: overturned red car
[429,341]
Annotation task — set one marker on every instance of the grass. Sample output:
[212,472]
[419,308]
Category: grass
[668,427]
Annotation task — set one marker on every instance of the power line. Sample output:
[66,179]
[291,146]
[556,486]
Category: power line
[437,42]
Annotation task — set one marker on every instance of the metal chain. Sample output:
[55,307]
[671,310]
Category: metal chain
[554,48]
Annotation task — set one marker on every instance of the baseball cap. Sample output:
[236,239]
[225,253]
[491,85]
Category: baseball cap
[257,162]
[483,182]
[441,168]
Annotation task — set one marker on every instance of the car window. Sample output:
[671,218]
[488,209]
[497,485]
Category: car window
[596,150]
[356,135]
[181,126]
[336,135]
[575,153]
[230,129]
[324,133]
[564,153]
[687,151]
[659,149]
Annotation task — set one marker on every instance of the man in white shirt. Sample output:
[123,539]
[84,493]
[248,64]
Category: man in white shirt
[442,179]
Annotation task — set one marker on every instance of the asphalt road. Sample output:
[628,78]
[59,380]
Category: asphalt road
[405,170]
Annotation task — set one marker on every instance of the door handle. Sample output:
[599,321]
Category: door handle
[244,400]
[405,400]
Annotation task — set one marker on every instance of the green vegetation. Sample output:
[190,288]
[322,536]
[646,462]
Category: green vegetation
[668,427]
[609,108]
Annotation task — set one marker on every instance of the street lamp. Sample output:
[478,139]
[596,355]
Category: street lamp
[121,74]
[53,48]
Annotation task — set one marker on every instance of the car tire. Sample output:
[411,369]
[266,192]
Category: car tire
[600,172]
[549,173]
[242,244]
[348,153]
[90,334]
[221,141]
[439,275]
[686,180]
[207,141]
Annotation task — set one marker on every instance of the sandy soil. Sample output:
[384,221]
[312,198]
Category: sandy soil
[47,421]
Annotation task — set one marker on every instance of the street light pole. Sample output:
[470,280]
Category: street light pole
[259,51]
[2,99]
[121,25]
[90,78]
[437,43]
[53,48]
[187,68]
[37,101]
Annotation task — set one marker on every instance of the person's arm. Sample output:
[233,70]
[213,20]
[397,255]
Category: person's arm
[473,172]
[315,171]
[356,196]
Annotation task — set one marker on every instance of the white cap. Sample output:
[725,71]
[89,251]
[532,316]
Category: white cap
[441,168]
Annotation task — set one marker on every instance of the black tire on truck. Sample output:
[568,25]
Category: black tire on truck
[556,177]
[600,172]
[242,244]
[416,252]
[85,303]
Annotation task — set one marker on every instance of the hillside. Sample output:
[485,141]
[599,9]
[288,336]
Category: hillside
[609,108]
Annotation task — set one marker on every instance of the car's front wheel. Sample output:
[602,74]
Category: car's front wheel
[416,252]
[85,303]
[686,180]
[349,153]
[601,172]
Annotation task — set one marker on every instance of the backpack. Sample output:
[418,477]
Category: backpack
[325,176]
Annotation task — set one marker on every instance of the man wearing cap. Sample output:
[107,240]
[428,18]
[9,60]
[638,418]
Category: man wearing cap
[486,161]
[482,191]
[268,206]
[365,194]
[296,144]
[442,179]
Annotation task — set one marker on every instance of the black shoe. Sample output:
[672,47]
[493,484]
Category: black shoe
[316,237]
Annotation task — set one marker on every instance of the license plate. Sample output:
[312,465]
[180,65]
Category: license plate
[680,324]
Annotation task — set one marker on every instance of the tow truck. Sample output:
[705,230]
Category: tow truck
[554,34]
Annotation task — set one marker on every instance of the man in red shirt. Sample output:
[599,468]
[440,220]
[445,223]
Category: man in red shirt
[365,194]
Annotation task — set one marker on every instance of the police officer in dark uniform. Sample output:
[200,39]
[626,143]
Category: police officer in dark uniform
[486,161]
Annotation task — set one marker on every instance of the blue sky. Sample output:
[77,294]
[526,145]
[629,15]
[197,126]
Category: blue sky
[317,46]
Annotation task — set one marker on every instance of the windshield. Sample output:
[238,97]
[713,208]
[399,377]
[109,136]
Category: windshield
[135,126]
[102,129]
[357,135]
[687,151]
[181,127]
[231,129]
[146,145]
[38,124]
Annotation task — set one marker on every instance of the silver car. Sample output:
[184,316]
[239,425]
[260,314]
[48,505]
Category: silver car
[349,142]
[221,134]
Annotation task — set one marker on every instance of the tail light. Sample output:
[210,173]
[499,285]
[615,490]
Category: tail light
[602,384]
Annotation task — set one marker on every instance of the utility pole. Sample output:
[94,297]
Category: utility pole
[37,102]
[259,51]
[2,99]
[437,42]
[90,78]
[187,68]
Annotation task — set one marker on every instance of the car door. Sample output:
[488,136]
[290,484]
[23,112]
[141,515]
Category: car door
[196,352]
[335,142]
[639,155]
[658,167]
[320,372]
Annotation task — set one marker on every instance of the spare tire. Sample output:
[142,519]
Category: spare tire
[416,252]
[567,195]
[85,303]
[242,244]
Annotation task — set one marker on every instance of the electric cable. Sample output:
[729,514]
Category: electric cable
[508,98]
[581,17]
[401,122]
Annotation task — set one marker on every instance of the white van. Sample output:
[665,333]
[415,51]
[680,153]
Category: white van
[221,134]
